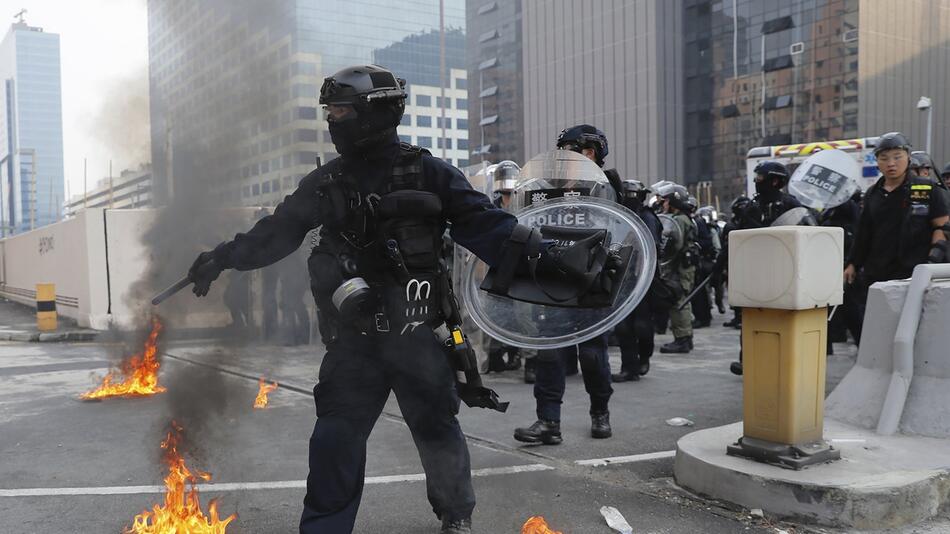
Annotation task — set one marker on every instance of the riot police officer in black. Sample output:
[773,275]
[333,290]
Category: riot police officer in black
[635,333]
[551,366]
[769,202]
[381,290]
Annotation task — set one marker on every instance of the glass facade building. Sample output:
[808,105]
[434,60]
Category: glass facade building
[804,88]
[234,85]
[496,80]
[31,129]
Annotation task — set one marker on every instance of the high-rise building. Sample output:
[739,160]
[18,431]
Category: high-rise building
[132,188]
[234,85]
[618,67]
[496,83]
[442,129]
[31,129]
[683,89]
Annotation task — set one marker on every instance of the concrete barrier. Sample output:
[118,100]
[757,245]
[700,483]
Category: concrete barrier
[97,260]
[859,397]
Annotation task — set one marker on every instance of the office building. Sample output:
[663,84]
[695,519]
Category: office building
[234,86]
[496,83]
[31,129]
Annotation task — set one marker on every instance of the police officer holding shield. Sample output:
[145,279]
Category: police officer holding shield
[551,365]
[384,295]
[503,177]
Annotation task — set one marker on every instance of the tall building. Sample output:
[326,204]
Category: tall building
[496,83]
[683,89]
[832,69]
[417,59]
[31,129]
[234,85]
[618,67]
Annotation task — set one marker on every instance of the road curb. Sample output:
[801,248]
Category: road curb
[841,494]
[48,337]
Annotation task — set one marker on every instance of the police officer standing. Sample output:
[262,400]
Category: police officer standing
[551,365]
[902,223]
[680,273]
[945,175]
[382,290]
[635,333]
[769,203]
[709,246]
[504,177]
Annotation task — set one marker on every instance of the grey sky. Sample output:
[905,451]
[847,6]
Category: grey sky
[104,54]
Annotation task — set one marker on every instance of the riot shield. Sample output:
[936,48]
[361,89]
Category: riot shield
[670,239]
[539,326]
[825,180]
[560,174]
[796,217]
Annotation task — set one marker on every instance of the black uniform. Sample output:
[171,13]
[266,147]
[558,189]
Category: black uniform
[850,314]
[382,351]
[894,233]
[636,333]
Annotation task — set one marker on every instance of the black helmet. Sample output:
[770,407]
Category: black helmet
[772,169]
[677,194]
[583,136]
[920,159]
[890,141]
[635,189]
[945,171]
[377,97]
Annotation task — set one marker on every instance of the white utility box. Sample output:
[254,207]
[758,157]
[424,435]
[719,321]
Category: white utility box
[786,267]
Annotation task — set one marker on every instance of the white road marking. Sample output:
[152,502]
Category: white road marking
[300,484]
[627,459]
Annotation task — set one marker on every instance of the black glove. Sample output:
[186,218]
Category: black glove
[204,271]
[938,253]
[585,262]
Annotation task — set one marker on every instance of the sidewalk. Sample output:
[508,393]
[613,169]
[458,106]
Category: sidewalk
[18,323]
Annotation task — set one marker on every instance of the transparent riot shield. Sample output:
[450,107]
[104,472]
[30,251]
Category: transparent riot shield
[539,326]
[825,180]
[796,217]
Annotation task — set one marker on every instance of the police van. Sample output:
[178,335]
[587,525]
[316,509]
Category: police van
[862,149]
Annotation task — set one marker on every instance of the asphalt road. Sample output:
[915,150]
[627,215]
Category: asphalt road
[89,467]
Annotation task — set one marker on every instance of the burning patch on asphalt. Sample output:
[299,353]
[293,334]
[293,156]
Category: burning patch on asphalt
[263,389]
[181,511]
[137,375]
[537,525]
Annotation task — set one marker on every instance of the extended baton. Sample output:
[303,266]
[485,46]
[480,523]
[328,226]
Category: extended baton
[178,286]
[695,291]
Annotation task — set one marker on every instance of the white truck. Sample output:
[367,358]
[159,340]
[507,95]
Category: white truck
[793,155]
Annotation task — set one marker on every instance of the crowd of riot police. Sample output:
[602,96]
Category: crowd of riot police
[391,323]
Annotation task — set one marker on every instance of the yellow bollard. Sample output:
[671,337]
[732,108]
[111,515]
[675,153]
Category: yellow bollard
[46,307]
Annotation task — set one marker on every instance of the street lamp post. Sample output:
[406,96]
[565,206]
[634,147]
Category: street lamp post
[925,104]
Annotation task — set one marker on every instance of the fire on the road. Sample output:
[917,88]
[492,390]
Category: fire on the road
[537,525]
[137,375]
[182,509]
[264,389]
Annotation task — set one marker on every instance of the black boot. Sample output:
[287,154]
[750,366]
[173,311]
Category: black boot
[690,338]
[734,323]
[496,362]
[456,526]
[600,425]
[514,360]
[625,376]
[644,366]
[700,324]
[529,366]
[680,345]
[736,368]
[547,432]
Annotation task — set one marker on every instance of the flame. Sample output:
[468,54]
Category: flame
[138,373]
[264,389]
[537,525]
[182,510]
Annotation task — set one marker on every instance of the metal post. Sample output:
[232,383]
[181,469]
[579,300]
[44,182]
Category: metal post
[930,122]
[85,189]
[735,41]
[111,192]
[762,58]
